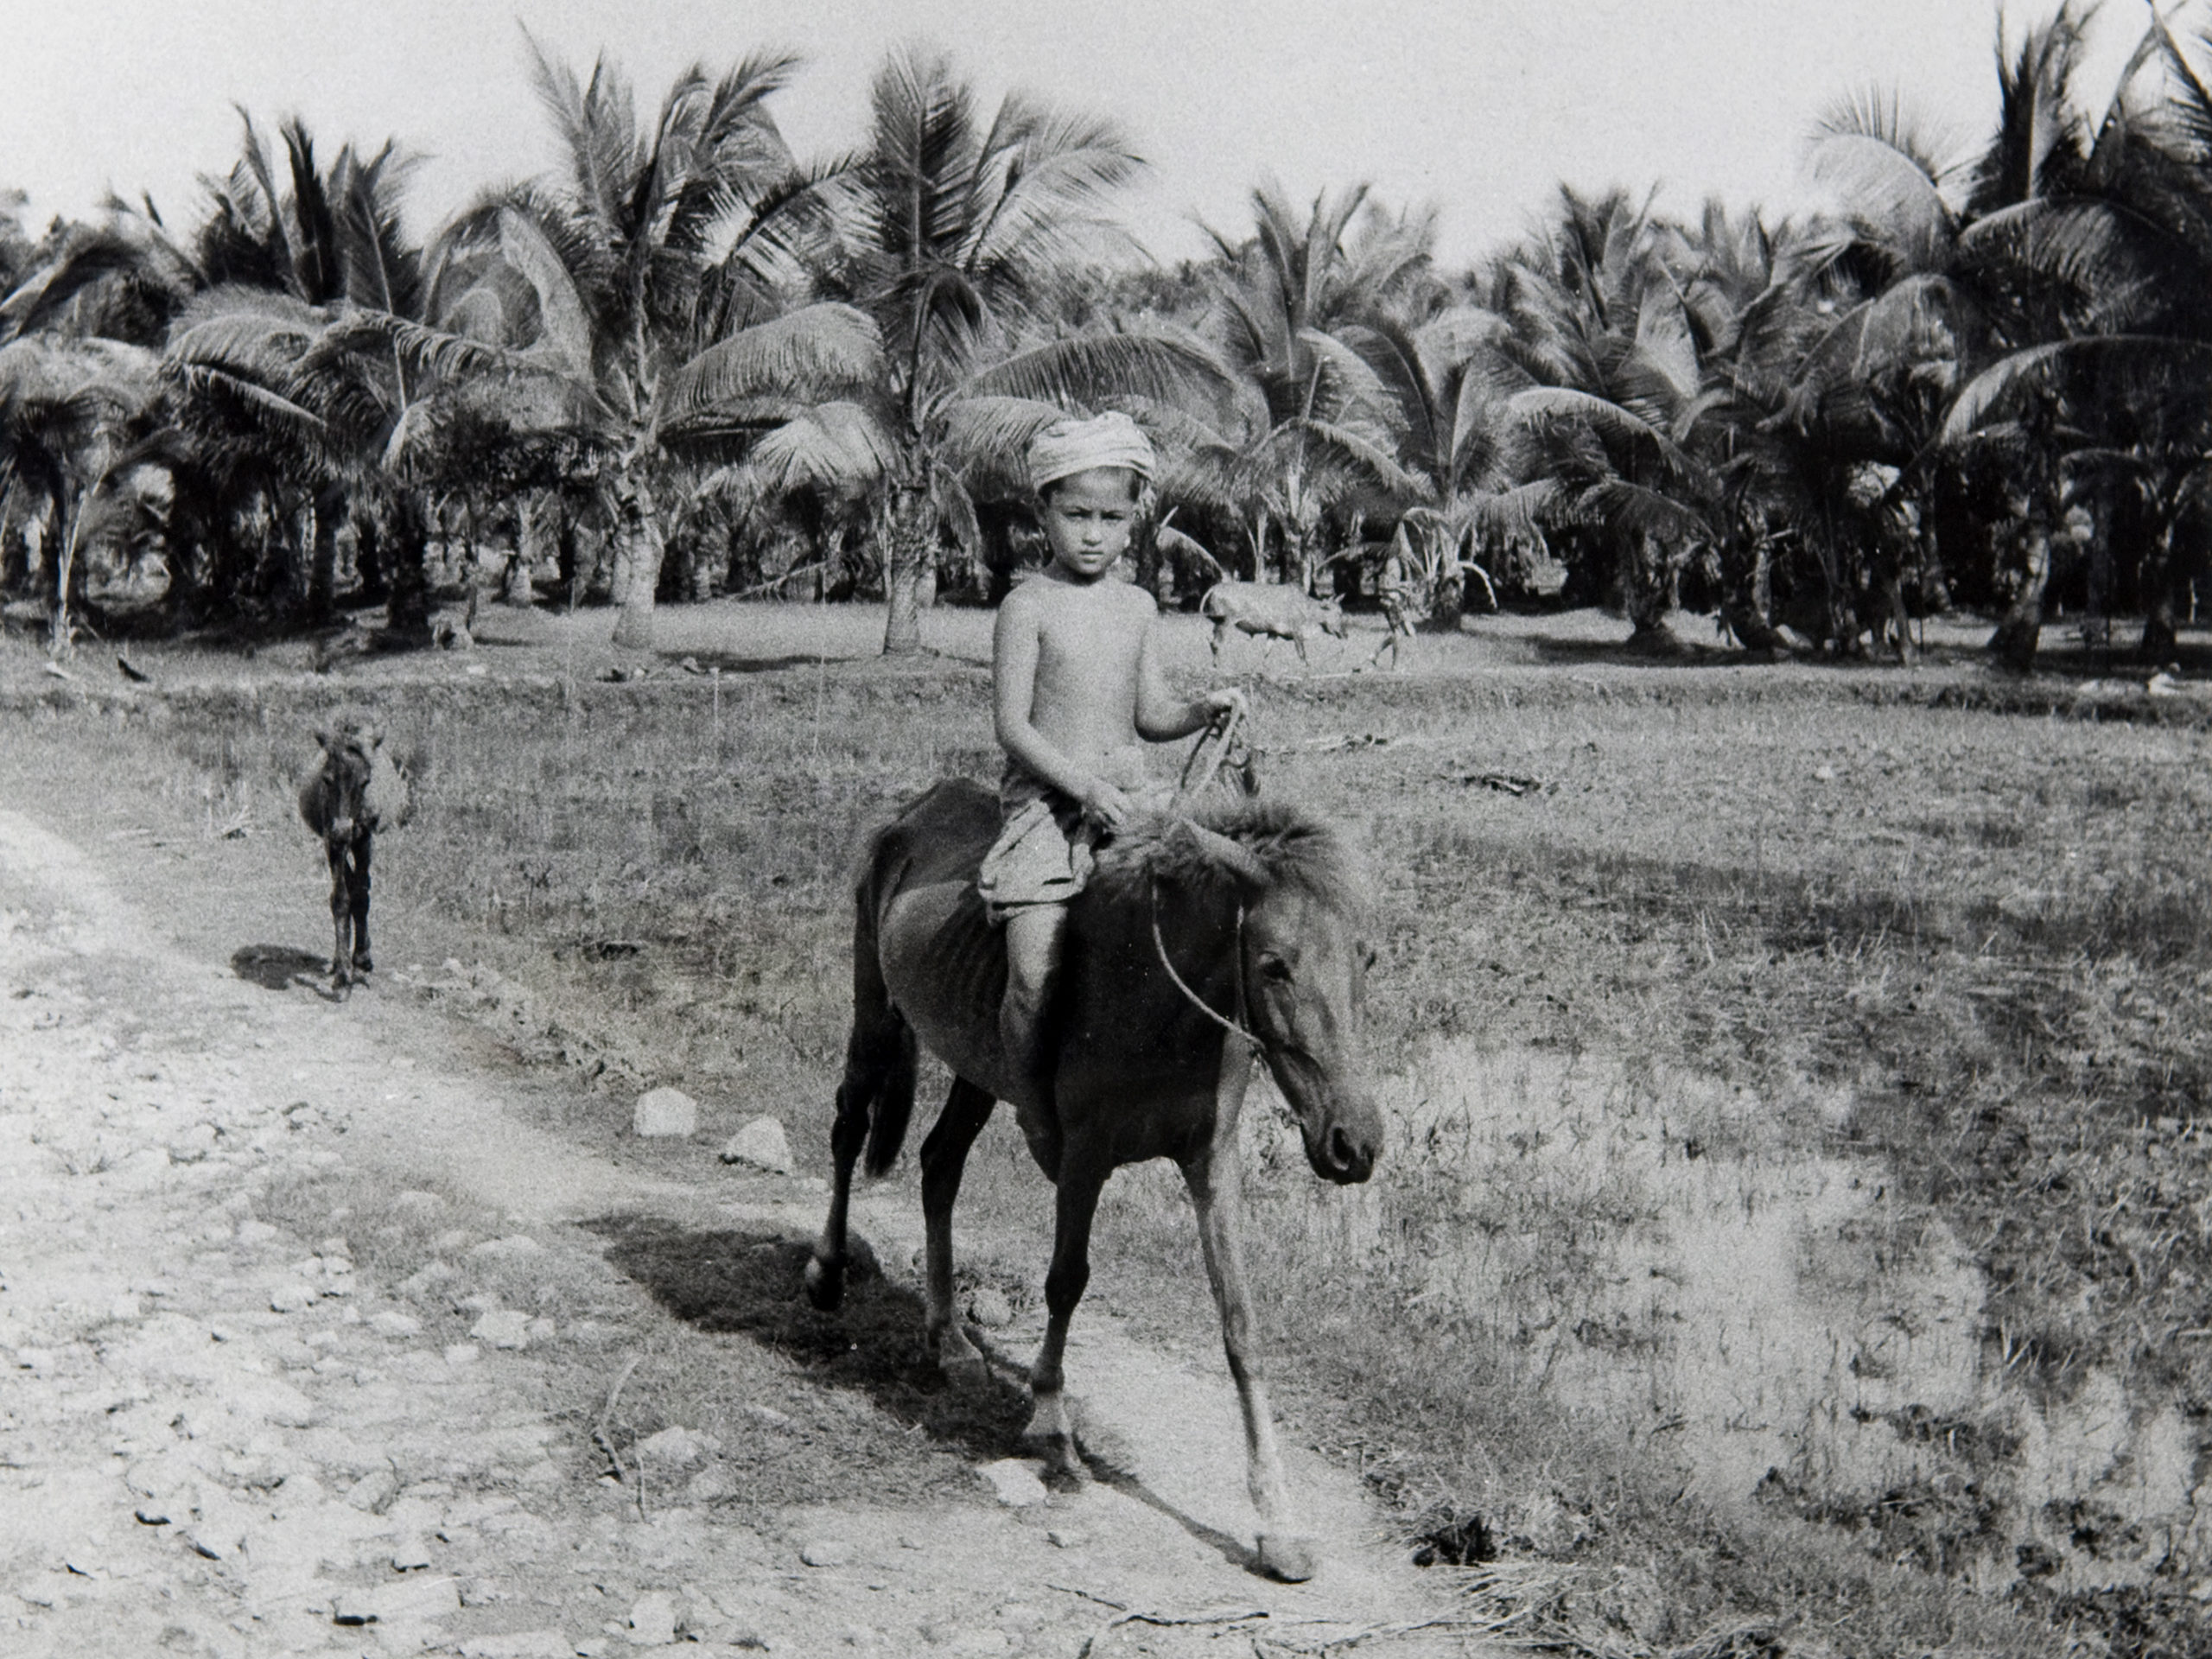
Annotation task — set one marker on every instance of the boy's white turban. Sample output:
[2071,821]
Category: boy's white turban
[1067,447]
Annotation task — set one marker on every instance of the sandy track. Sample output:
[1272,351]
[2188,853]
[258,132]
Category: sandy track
[220,1435]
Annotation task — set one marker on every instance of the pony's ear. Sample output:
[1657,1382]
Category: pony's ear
[1232,858]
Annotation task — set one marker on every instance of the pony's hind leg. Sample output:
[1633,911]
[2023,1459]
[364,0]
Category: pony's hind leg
[879,1077]
[944,1157]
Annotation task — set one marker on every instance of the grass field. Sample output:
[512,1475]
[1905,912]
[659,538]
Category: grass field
[1797,1224]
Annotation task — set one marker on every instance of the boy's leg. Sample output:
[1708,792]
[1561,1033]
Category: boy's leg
[1033,957]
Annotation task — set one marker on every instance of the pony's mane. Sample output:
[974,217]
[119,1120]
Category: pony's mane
[1299,849]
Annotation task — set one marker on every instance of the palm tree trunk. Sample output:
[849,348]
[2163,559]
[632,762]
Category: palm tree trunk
[638,552]
[910,549]
[1647,577]
[2017,637]
[2161,629]
[407,607]
[66,579]
[530,517]
[328,512]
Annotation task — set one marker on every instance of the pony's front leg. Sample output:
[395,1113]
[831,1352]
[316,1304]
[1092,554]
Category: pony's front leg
[1217,1193]
[341,912]
[1081,1179]
[944,1157]
[359,891]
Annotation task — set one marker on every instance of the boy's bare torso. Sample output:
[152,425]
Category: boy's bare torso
[1091,644]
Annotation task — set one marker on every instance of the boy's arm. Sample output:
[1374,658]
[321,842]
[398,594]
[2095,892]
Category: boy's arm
[1014,647]
[1162,716]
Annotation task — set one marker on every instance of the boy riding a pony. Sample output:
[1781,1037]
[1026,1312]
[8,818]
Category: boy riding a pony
[1077,691]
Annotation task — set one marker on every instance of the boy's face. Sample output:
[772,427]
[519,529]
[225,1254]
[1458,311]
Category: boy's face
[1087,519]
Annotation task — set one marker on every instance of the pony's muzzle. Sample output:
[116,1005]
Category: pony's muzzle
[1345,1152]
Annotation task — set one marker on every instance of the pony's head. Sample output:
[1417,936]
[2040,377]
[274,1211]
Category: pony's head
[1302,906]
[349,752]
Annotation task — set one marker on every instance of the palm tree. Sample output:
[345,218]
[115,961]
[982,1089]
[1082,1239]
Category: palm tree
[316,371]
[1601,380]
[1303,308]
[2127,253]
[71,408]
[612,287]
[959,240]
[1991,257]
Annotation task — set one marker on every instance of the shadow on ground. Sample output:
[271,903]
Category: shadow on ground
[747,1284]
[278,967]
[729,663]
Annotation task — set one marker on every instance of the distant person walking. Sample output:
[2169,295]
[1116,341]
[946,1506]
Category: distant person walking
[1392,584]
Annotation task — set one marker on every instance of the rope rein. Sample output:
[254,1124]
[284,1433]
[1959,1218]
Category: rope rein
[1228,738]
[1232,1026]
[1230,741]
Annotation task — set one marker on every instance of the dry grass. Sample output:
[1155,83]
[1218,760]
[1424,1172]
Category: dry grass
[1755,937]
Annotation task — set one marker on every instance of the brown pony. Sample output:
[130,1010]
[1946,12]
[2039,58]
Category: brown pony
[350,791]
[1256,912]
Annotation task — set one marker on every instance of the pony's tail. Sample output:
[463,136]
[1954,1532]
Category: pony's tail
[880,1053]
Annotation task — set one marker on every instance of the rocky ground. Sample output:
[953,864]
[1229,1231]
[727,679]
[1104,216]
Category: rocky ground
[317,1340]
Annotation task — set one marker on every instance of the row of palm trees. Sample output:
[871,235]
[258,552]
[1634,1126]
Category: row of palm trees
[1980,383]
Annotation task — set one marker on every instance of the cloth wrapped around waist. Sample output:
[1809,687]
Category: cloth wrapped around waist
[1045,854]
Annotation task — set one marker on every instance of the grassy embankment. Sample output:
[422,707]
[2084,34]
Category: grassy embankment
[1803,1078]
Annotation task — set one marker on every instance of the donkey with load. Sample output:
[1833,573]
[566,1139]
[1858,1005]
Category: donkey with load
[351,789]
[1201,940]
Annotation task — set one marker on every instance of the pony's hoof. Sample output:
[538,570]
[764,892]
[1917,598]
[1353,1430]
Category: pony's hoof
[825,1286]
[1292,1559]
[964,1367]
[363,966]
[1063,1470]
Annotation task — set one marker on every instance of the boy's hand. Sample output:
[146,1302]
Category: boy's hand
[1221,705]
[1103,805]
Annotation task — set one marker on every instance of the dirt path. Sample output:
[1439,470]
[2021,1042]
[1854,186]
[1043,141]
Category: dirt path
[226,1430]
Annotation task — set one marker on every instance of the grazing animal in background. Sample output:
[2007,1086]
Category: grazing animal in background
[1249,918]
[351,790]
[1264,610]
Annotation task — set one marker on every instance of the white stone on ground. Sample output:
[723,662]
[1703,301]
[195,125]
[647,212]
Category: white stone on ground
[989,1308]
[503,1327]
[1016,1482]
[291,1296]
[760,1144]
[666,1112]
[652,1620]
[825,1551]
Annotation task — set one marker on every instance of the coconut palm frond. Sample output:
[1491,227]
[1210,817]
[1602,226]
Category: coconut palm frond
[596,125]
[1357,455]
[956,510]
[1091,370]
[263,400]
[379,267]
[1635,510]
[1893,191]
[987,437]
[435,353]
[1521,513]
[564,323]
[265,338]
[827,348]
[838,448]
[1995,385]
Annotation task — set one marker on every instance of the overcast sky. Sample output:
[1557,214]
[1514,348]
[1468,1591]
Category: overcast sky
[1481,106]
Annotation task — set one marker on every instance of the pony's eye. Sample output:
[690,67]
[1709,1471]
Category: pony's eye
[1275,969]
